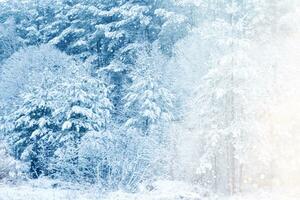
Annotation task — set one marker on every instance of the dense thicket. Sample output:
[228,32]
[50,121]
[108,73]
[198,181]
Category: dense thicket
[82,87]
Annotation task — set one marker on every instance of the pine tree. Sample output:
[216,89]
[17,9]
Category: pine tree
[34,127]
[31,75]
[83,107]
[148,101]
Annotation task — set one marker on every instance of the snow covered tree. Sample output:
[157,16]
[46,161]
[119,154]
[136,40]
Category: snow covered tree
[148,108]
[29,76]
[33,126]
[63,114]
[9,41]
[25,67]
[106,33]
[82,108]
[230,96]
[148,101]
[96,28]
[58,102]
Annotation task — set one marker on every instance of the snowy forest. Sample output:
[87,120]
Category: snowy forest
[149,99]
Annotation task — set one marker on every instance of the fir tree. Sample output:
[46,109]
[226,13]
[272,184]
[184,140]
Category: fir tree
[83,107]
[148,101]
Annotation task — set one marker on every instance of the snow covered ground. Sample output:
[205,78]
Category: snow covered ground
[272,194]
[162,190]
[44,190]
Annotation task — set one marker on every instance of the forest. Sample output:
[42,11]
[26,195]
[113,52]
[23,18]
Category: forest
[149,99]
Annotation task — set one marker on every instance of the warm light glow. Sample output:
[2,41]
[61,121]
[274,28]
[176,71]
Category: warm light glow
[286,138]
[285,116]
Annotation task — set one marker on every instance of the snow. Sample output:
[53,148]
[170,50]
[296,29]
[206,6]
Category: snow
[239,133]
[66,125]
[161,190]
[46,190]
[42,122]
[27,192]
[268,194]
